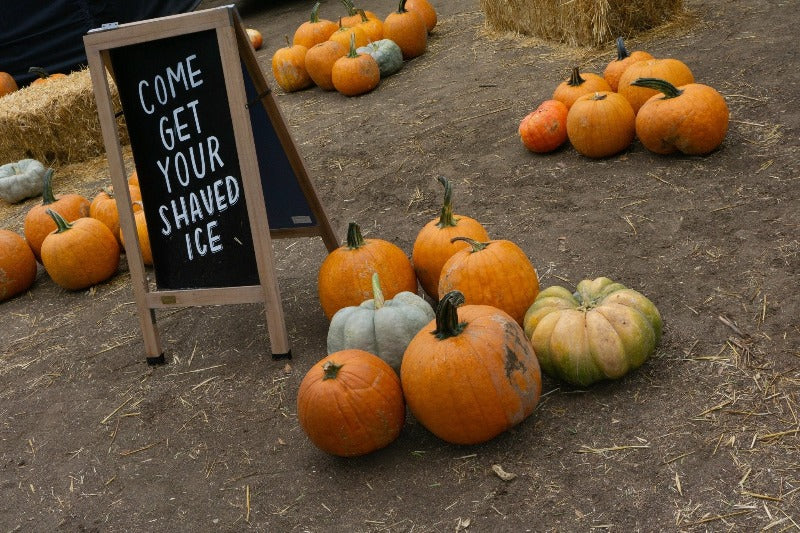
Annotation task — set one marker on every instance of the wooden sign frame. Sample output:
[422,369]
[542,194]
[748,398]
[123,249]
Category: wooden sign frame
[238,59]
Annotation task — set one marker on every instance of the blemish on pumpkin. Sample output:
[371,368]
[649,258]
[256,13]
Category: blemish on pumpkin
[512,363]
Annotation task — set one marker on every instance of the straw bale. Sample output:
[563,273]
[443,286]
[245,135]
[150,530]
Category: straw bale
[578,22]
[54,122]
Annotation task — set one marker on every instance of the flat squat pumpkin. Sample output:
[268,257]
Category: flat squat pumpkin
[20,180]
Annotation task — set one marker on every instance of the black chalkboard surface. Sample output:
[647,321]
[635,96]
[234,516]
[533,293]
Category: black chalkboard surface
[175,103]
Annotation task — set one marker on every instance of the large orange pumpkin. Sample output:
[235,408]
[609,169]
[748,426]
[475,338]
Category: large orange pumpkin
[319,62]
[408,30]
[17,265]
[672,70]
[289,68]
[425,10]
[350,403]
[345,276]
[471,373]
[315,30]
[600,124]
[355,73]
[433,245]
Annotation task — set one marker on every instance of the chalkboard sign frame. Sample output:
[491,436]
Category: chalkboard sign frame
[238,60]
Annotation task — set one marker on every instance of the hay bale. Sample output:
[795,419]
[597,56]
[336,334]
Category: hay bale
[578,22]
[54,122]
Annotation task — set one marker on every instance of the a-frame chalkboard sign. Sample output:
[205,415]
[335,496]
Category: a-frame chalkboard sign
[219,173]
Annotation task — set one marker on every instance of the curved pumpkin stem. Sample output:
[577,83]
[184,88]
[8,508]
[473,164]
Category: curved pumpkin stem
[351,9]
[39,71]
[314,13]
[446,219]
[354,238]
[61,224]
[363,14]
[47,192]
[330,370]
[575,78]
[447,324]
[476,246]
[402,7]
[352,52]
[622,52]
[377,293]
[669,90]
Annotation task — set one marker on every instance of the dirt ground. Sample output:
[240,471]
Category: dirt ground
[704,437]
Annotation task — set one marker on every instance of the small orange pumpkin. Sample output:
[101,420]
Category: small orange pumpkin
[408,30]
[373,27]
[256,39]
[692,119]
[353,16]
[38,224]
[355,73]
[578,84]
[624,59]
[601,124]
[44,76]
[319,62]
[545,128]
[345,34]
[104,207]
[433,245]
[289,67]
[80,254]
[672,70]
[17,265]
[7,84]
[425,10]
[315,30]
[345,276]
[141,233]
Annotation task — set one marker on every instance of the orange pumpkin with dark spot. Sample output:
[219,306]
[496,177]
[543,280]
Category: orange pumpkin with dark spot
[545,128]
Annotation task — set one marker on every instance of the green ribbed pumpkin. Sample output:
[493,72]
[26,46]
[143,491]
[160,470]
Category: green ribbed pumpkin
[386,53]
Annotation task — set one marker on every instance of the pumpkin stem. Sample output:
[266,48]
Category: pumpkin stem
[447,324]
[575,78]
[363,15]
[354,238]
[288,44]
[39,71]
[669,90]
[476,246]
[622,52]
[353,52]
[314,14]
[61,224]
[402,7]
[447,219]
[330,370]
[377,293]
[351,9]
[47,192]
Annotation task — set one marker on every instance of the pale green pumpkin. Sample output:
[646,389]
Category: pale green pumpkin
[380,327]
[386,53]
[21,180]
[602,331]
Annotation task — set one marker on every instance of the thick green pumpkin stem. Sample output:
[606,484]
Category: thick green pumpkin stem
[669,90]
[402,7]
[61,224]
[354,238]
[446,219]
[476,246]
[363,14]
[575,78]
[622,52]
[330,370]
[351,9]
[39,71]
[377,293]
[352,52]
[447,324]
[47,192]
[314,14]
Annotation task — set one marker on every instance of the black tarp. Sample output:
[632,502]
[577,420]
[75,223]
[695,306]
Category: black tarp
[49,33]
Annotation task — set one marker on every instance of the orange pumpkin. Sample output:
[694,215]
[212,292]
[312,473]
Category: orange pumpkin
[373,27]
[133,178]
[44,76]
[319,62]
[80,254]
[353,16]
[315,30]
[350,403]
[672,70]
[545,128]
[38,224]
[692,119]
[17,265]
[141,233]
[578,84]
[471,373]
[344,34]
[355,73]
[425,10]
[408,30]
[600,124]
[345,276]
[256,39]
[496,273]
[104,207]
[7,84]
[624,59]
[433,245]
[289,68]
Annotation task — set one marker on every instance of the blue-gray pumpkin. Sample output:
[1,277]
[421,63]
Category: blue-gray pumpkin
[386,53]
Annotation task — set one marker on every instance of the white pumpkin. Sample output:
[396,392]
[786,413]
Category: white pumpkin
[21,180]
[378,326]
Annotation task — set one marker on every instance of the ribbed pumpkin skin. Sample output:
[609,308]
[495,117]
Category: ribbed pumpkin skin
[694,123]
[357,75]
[17,265]
[104,207]
[358,411]
[601,124]
[469,388]
[602,331]
[673,70]
[500,275]
[319,62]
[81,256]
[577,85]
[408,30]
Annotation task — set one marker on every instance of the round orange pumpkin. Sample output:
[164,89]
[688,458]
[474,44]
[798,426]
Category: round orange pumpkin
[578,84]
[408,30]
[545,128]
[355,73]
[38,224]
[471,373]
[256,39]
[691,119]
[319,62]
[289,68]
[433,245]
[425,10]
[672,70]
[315,30]
[373,27]
[345,34]
[350,403]
[496,273]
[7,84]
[345,276]
[353,16]
[17,265]
[80,254]
[44,76]
[624,59]
[600,124]
[104,207]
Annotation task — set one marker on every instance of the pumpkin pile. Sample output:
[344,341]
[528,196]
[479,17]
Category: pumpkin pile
[638,96]
[351,55]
